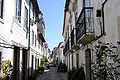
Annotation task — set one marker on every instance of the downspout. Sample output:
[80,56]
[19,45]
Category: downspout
[103,18]
[29,40]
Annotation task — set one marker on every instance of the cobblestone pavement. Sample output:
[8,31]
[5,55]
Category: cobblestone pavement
[52,74]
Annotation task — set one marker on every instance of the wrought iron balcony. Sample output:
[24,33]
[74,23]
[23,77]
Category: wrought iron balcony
[40,30]
[66,47]
[85,26]
[74,46]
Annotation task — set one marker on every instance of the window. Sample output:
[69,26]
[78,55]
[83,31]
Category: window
[26,19]
[76,16]
[32,37]
[32,63]
[41,43]
[18,10]
[35,63]
[1,8]
[35,40]
[0,57]
[88,63]
[33,14]
[38,43]
[72,61]
[38,63]
[87,3]
[98,13]
[77,60]
[0,62]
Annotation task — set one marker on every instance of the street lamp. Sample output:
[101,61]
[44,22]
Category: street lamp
[40,15]
[38,18]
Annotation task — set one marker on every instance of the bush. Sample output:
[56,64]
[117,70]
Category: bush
[41,68]
[70,72]
[34,76]
[76,74]
[45,59]
[44,67]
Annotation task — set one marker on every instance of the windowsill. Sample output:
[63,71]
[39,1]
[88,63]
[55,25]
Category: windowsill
[1,21]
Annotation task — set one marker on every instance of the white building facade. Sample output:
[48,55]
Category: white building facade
[47,52]
[14,34]
[60,56]
[87,22]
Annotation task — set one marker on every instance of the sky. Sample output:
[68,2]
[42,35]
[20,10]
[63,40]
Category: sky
[53,14]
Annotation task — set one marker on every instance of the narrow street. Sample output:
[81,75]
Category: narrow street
[52,74]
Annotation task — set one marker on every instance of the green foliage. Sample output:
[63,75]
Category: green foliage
[45,59]
[70,73]
[42,67]
[76,74]
[5,69]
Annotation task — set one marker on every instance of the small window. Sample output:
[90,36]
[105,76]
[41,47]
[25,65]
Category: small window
[98,14]
[1,8]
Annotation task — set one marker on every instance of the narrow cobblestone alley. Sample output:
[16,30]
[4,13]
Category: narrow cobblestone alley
[52,74]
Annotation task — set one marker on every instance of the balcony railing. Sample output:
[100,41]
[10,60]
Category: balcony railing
[84,25]
[66,47]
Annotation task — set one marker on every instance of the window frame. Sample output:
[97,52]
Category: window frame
[1,6]
[26,18]
[35,40]
[38,42]
[32,37]
[18,10]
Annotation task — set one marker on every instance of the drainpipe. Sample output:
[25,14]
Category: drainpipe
[29,40]
[103,18]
